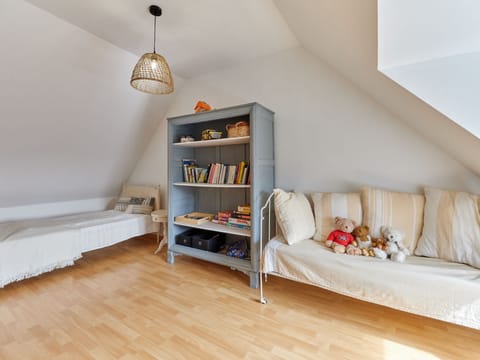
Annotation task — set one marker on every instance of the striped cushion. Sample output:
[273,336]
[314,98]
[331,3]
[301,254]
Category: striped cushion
[451,230]
[328,205]
[403,211]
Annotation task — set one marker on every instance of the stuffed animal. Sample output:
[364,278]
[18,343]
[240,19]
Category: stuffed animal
[363,239]
[379,247]
[341,240]
[395,248]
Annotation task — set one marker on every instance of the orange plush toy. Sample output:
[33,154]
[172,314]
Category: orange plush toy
[202,106]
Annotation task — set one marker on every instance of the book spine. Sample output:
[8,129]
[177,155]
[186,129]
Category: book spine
[245,174]
[219,221]
[239,172]
[240,226]
[226,214]
[238,215]
[211,173]
[239,221]
[243,209]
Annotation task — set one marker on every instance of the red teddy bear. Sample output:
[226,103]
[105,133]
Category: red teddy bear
[341,240]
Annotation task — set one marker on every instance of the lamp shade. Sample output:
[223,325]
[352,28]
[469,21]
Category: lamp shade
[152,75]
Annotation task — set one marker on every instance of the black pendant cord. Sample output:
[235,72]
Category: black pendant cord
[154,32]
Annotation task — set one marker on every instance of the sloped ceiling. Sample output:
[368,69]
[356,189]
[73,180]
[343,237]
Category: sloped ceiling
[201,36]
[437,61]
[101,126]
[195,36]
[71,127]
[344,34]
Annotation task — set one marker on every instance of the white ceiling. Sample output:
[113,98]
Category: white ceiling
[194,36]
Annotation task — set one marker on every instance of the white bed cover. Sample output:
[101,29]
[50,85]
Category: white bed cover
[32,247]
[424,286]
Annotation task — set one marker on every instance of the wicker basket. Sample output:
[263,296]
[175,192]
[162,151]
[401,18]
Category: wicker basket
[241,128]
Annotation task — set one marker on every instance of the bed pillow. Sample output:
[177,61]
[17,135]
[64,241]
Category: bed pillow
[451,228]
[135,205]
[328,205]
[403,211]
[139,209]
[294,215]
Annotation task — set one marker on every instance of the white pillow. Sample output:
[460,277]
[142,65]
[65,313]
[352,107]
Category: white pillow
[451,229]
[294,216]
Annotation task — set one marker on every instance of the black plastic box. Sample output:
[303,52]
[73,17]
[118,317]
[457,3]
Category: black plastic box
[185,238]
[208,241]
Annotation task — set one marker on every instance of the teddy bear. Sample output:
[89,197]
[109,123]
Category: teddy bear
[395,250]
[341,240]
[364,240]
[379,247]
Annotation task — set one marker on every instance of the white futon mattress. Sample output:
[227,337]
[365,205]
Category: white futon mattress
[32,247]
[430,287]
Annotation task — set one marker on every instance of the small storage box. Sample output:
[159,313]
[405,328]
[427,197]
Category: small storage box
[208,241]
[185,238]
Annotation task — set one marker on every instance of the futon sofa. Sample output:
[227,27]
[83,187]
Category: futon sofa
[441,279]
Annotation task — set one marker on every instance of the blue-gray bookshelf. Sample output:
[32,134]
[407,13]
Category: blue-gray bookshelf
[257,149]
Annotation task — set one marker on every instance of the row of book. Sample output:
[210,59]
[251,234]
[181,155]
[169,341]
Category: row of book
[216,173]
[239,218]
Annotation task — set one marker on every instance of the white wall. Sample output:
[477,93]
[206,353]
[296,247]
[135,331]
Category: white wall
[71,127]
[329,135]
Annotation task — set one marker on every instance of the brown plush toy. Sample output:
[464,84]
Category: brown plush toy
[341,240]
[364,240]
[379,247]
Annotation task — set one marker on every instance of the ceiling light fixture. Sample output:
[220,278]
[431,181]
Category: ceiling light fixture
[152,74]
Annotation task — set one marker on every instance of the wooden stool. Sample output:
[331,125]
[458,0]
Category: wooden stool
[161,216]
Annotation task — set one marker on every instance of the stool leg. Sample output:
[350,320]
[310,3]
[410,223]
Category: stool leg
[164,239]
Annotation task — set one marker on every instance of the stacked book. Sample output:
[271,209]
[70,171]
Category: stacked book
[240,218]
[216,173]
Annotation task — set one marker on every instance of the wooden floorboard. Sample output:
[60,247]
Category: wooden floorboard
[123,302]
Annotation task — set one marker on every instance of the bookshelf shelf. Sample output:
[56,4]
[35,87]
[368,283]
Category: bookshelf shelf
[254,152]
[216,142]
[218,258]
[217,227]
[205,185]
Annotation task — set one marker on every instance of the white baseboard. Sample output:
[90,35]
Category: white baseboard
[54,209]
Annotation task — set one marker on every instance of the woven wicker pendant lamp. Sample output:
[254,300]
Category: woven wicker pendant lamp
[152,74]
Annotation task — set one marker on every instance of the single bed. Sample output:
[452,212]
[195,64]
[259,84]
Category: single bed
[31,247]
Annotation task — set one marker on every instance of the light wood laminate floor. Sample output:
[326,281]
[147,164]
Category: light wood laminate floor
[123,302]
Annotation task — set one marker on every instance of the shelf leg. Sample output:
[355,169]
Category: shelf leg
[254,280]
[170,257]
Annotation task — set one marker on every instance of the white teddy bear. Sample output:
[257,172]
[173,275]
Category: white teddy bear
[395,250]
